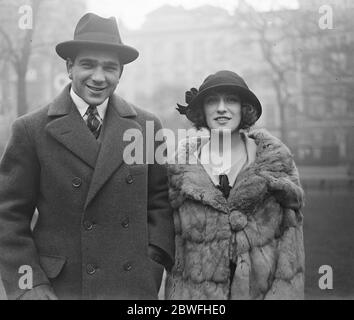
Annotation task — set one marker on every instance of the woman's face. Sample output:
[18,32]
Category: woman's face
[222,111]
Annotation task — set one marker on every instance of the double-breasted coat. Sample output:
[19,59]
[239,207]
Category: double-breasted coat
[97,214]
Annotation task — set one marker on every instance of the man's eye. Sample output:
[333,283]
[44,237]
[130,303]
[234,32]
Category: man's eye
[111,69]
[86,65]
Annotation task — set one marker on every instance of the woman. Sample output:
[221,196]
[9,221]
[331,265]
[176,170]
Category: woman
[238,225]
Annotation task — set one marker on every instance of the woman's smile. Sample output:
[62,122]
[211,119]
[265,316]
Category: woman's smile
[222,119]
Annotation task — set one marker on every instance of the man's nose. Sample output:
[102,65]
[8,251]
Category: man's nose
[98,75]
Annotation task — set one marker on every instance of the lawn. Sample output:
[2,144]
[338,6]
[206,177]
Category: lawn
[329,240]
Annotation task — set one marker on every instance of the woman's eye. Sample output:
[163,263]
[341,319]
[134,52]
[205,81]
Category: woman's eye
[232,99]
[211,100]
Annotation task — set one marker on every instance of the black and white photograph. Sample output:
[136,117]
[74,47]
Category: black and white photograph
[185,151]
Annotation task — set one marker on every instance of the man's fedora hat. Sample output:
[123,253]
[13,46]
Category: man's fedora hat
[225,80]
[95,31]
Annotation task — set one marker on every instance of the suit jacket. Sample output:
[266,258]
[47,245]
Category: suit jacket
[97,215]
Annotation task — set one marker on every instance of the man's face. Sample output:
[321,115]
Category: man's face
[95,74]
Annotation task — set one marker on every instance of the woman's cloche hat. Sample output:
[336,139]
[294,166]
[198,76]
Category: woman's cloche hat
[95,31]
[223,79]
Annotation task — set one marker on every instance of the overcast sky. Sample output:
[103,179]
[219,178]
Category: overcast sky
[132,12]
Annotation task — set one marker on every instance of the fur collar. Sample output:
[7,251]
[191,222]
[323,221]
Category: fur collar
[273,173]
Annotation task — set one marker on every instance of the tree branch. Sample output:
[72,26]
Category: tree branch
[9,51]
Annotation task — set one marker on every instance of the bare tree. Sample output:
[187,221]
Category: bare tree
[275,34]
[304,60]
[19,56]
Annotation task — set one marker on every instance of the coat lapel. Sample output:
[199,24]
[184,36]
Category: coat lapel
[111,153]
[70,130]
[192,179]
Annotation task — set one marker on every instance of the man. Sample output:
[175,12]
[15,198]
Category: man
[105,228]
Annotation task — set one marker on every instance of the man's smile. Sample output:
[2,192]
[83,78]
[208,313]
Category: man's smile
[95,88]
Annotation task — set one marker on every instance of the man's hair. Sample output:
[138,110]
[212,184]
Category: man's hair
[248,116]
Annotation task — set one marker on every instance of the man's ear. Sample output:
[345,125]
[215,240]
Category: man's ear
[69,67]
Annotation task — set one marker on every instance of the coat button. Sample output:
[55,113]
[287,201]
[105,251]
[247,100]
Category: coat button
[156,258]
[90,269]
[76,182]
[88,225]
[129,179]
[125,222]
[127,266]
[237,220]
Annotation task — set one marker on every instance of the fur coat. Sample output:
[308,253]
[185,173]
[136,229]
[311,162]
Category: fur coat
[259,228]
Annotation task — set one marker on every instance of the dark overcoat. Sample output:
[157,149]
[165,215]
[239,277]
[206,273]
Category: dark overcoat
[97,214]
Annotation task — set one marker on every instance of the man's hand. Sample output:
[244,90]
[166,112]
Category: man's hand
[42,292]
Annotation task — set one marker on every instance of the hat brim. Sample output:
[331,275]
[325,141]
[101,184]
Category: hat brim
[246,95]
[126,54]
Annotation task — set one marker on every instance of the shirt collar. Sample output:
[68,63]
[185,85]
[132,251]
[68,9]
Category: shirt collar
[82,105]
[232,170]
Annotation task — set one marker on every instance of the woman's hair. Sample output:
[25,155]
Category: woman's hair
[248,116]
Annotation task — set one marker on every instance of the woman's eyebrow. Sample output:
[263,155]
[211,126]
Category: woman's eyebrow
[211,96]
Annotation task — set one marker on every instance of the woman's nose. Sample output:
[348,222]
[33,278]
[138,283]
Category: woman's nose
[221,106]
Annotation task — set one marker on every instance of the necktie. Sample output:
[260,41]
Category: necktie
[93,120]
[224,185]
